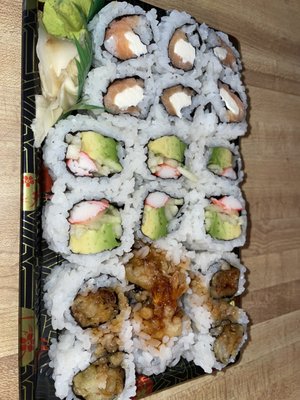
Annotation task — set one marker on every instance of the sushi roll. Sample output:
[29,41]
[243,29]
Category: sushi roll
[220,327]
[217,162]
[122,32]
[235,108]
[81,148]
[178,45]
[223,273]
[159,211]
[166,158]
[227,99]
[92,154]
[88,227]
[97,339]
[68,308]
[223,49]
[176,98]
[95,226]
[78,372]
[161,331]
[167,153]
[223,162]
[121,91]
[216,221]
[222,218]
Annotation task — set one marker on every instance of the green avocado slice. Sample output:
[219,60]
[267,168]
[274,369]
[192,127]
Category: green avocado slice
[222,226]
[155,223]
[169,147]
[101,149]
[220,157]
[92,241]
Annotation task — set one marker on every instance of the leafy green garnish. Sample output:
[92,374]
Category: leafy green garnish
[66,18]
[70,20]
[95,8]
[79,106]
[85,54]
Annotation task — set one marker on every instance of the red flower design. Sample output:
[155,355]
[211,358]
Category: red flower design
[28,180]
[27,342]
[144,386]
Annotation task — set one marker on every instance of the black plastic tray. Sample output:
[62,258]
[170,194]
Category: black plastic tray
[36,260]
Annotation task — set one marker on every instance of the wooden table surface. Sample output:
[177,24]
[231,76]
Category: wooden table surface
[269,35]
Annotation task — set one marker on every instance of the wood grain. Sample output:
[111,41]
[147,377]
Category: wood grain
[269,37]
[261,372]
[10,98]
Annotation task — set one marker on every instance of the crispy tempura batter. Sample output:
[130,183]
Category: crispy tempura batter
[102,380]
[225,327]
[95,308]
[227,343]
[163,283]
[224,283]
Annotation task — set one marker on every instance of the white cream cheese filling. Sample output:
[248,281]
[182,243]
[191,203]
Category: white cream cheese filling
[220,52]
[229,101]
[110,45]
[129,97]
[135,44]
[180,100]
[185,51]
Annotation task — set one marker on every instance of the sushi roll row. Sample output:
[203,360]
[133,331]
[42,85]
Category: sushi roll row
[146,206]
[93,354]
[164,303]
[162,70]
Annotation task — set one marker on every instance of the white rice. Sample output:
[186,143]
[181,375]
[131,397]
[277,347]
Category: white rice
[154,360]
